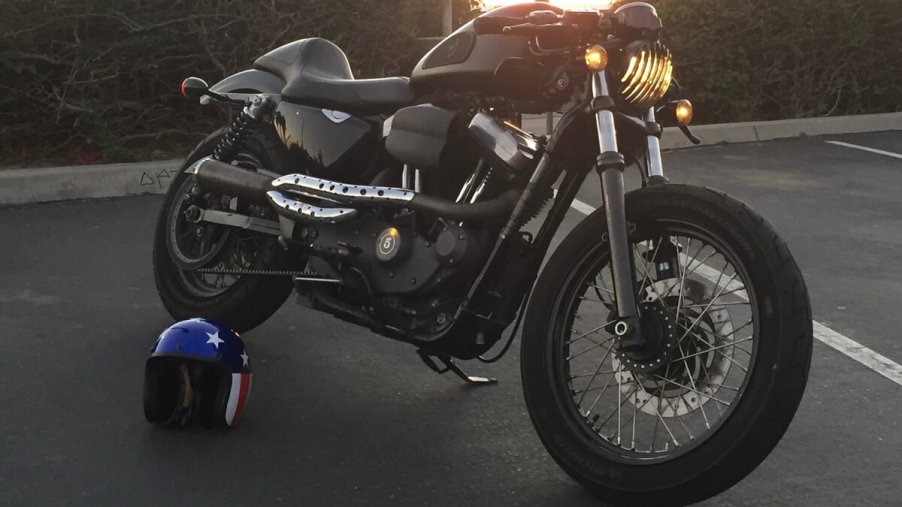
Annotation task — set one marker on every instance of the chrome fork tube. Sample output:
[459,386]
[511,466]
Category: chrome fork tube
[604,119]
[655,165]
[610,167]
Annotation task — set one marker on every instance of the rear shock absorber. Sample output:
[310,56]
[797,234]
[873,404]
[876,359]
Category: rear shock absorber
[242,127]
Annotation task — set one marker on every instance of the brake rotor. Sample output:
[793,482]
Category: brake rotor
[696,368]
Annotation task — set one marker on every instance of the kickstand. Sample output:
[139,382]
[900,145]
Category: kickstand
[449,365]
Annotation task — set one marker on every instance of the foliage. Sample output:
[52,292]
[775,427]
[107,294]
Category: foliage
[98,76]
[766,59]
[97,79]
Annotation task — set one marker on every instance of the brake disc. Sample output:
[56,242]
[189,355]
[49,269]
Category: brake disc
[683,385]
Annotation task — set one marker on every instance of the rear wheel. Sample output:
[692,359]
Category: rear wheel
[185,250]
[726,313]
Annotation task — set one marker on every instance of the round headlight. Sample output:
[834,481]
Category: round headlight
[649,70]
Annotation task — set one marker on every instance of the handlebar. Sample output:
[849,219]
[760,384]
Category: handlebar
[524,25]
[494,25]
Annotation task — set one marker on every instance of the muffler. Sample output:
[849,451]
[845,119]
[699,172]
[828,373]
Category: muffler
[221,178]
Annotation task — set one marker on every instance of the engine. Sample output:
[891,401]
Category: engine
[412,267]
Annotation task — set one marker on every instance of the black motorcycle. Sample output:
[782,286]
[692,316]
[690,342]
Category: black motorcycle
[667,340]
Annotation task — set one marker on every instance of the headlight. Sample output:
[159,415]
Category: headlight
[649,70]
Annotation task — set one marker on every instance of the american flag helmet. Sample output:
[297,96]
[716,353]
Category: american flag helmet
[199,369]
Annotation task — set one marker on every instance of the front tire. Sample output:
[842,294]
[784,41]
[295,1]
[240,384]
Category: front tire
[722,397]
[242,302]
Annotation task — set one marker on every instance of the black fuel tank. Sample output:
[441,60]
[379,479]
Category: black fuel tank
[467,61]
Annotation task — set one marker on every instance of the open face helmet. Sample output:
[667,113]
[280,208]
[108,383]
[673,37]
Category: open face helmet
[198,369]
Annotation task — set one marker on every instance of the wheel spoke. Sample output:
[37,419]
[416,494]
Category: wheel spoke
[600,364]
[718,347]
[597,329]
[667,380]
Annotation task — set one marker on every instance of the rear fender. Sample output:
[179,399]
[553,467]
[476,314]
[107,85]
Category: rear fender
[248,83]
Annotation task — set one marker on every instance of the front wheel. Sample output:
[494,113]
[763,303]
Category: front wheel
[725,312]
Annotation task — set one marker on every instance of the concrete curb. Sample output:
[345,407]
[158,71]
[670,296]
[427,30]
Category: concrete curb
[23,186]
[757,131]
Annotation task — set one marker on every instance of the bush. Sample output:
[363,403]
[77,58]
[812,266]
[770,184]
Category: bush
[100,77]
[765,59]
[96,80]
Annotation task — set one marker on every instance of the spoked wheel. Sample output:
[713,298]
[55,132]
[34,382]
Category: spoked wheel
[195,262]
[206,253]
[702,327]
[726,318]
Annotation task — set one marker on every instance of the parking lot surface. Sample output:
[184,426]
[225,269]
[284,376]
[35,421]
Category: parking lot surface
[339,416]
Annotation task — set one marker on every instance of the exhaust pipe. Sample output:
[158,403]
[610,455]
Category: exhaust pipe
[219,177]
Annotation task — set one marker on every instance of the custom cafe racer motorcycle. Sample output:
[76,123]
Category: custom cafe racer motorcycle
[666,341]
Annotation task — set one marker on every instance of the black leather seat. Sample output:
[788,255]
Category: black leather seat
[317,73]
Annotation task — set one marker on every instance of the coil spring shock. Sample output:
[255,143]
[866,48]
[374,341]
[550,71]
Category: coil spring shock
[241,129]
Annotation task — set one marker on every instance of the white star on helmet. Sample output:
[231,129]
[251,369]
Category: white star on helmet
[215,339]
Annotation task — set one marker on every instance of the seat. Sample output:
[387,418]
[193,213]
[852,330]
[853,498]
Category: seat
[317,73]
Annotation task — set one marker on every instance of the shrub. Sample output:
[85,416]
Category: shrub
[95,77]
[93,80]
[765,59]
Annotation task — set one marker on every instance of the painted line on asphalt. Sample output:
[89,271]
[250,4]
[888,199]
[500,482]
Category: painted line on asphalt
[841,343]
[865,148]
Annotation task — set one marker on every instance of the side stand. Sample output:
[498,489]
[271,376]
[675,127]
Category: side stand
[449,365]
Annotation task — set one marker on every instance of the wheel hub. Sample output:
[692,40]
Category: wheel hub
[659,330]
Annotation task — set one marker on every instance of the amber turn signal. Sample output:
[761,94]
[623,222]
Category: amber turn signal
[596,58]
[683,111]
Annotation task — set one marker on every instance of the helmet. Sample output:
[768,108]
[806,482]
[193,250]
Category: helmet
[197,368]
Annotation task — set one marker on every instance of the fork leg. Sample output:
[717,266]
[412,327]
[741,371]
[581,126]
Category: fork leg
[610,168]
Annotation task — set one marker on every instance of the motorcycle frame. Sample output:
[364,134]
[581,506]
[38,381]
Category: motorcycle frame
[569,151]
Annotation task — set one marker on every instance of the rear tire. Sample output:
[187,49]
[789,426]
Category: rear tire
[250,300]
[777,367]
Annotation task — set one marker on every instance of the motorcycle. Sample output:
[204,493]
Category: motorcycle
[666,342]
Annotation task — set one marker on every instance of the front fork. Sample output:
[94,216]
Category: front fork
[610,167]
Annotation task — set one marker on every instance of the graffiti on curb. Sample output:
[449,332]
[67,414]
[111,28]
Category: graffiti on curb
[161,179]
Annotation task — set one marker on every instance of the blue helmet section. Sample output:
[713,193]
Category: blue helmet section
[206,340]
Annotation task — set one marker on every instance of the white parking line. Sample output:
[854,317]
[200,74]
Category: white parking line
[865,148]
[843,344]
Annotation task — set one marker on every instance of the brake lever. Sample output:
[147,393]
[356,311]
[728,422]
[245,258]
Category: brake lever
[693,139]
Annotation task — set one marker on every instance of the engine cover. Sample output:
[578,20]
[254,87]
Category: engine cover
[393,258]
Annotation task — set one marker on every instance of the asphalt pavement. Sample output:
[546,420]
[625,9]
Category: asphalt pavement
[339,416]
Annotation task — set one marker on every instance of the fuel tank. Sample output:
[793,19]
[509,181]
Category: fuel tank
[467,61]
[329,144]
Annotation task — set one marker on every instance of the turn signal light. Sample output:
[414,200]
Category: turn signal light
[596,58]
[194,88]
[683,111]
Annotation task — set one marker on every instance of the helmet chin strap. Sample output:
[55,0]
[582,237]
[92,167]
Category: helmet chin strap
[189,397]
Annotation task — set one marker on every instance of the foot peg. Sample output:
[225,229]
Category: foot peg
[449,365]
